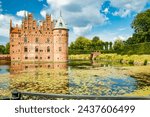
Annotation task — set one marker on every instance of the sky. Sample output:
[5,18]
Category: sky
[108,19]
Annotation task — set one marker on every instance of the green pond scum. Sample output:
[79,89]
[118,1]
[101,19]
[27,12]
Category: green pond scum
[75,78]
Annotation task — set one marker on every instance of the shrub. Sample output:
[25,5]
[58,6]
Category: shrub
[145,62]
[131,62]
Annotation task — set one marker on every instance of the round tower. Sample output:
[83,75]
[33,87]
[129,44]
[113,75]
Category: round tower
[60,39]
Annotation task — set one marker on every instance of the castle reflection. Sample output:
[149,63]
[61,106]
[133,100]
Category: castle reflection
[18,67]
[40,77]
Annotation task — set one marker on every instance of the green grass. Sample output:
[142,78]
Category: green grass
[128,59]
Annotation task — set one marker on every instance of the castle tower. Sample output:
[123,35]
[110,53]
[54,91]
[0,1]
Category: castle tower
[60,33]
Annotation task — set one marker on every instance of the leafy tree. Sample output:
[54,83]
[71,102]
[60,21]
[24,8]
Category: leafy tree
[141,22]
[118,45]
[96,44]
[141,25]
[82,43]
[110,43]
[2,49]
[7,48]
[106,45]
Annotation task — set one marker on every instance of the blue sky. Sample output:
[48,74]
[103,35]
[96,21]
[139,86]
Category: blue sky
[108,19]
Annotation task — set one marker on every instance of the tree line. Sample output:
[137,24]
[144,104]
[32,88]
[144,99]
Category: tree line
[85,44]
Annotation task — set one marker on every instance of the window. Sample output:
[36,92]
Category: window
[48,40]
[60,49]
[25,49]
[48,57]
[26,57]
[36,57]
[36,49]
[36,40]
[25,40]
[60,24]
[48,49]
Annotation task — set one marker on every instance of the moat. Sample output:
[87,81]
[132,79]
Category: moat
[74,78]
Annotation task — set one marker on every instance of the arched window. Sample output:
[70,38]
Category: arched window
[48,57]
[60,49]
[36,57]
[36,49]
[60,24]
[25,49]
[25,40]
[26,57]
[48,49]
[36,40]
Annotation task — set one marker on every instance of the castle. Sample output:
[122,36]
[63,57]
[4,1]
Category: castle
[47,42]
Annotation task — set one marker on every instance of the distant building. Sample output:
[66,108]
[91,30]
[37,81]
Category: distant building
[46,42]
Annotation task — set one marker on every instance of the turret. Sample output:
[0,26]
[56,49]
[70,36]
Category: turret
[60,33]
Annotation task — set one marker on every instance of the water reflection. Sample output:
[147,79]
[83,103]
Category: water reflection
[25,67]
[76,78]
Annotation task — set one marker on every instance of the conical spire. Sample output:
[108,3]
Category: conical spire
[60,24]
[25,16]
[60,14]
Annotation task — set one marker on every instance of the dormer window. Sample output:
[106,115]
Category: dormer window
[60,24]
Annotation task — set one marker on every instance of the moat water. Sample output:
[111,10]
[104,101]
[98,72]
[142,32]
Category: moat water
[74,78]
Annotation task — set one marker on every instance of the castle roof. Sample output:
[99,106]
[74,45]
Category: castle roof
[60,24]
[15,30]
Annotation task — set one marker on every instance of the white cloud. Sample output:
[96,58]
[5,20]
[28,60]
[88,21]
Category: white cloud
[106,10]
[21,13]
[126,7]
[82,30]
[77,14]
[5,24]
[120,37]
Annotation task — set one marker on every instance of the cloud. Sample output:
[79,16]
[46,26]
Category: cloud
[77,14]
[21,13]
[82,30]
[106,10]
[126,7]
[5,24]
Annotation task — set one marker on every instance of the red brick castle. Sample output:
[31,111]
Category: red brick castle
[46,42]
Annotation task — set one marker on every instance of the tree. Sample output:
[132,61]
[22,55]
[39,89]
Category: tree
[96,44]
[118,45]
[106,45]
[2,49]
[7,48]
[141,25]
[110,43]
[82,43]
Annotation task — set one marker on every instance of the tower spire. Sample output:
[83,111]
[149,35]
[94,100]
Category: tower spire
[25,17]
[60,14]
